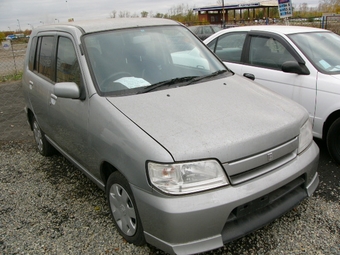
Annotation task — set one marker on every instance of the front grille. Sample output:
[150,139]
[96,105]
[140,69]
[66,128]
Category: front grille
[259,212]
[266,200]
[251,167]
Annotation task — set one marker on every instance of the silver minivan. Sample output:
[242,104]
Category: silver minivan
[190,155]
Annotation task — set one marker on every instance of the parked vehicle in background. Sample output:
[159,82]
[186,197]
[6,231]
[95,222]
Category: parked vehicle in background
[301,63]
[204,31]
[190,155]
[11,37]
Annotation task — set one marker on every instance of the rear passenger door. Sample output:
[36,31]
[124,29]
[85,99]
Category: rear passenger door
[229,47]
[40,76]
[69,117]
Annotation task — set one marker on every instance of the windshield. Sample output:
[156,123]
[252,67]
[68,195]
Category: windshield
[127,61]
[321,48]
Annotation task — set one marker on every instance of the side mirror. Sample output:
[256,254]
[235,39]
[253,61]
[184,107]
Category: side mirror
[249,76]
[294,67]
[67,90]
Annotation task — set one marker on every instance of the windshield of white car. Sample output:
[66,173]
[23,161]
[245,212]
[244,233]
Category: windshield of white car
[126,61]
[321,48]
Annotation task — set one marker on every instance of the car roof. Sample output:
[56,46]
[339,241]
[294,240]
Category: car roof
[89,26]
[277,29]
[211,25]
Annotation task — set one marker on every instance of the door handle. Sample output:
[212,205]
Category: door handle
[249,76]
[53,99]
[30,84]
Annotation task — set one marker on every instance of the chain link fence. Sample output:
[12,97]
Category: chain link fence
[12,54]
[13,125]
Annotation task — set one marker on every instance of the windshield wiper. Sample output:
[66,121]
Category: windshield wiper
[189,79]
[207,76]
[167,83]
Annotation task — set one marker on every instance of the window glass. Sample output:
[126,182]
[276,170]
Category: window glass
[321,48]
[229,47]
[32,53]
[126,61]
[45,63]
[268,52]
[207,30]
[216,28]
[67,62]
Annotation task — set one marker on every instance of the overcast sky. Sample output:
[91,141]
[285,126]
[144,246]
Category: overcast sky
[28,13]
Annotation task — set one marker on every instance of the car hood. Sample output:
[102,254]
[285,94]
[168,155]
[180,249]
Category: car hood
[228,119]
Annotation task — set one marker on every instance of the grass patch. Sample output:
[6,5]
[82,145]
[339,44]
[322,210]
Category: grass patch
[11,77]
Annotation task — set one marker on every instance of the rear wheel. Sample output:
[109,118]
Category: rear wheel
[44,147]
[123,209]
[333,141]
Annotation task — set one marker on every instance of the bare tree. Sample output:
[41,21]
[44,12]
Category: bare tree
[113,14]
[124,14]
[144,14]
[331,6]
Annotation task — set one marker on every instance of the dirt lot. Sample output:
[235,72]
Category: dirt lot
[13,124]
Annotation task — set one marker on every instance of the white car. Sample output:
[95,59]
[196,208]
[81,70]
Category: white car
[301,63]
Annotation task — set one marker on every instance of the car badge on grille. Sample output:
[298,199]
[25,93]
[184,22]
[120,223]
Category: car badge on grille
[270,156]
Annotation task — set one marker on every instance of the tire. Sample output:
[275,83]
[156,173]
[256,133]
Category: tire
[333,141]
[123,209]
[44,147]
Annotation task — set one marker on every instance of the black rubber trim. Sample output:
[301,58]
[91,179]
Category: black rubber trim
[240,227]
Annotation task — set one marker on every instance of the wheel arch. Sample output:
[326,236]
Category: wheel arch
[106,170]
[30,116]
[329,121]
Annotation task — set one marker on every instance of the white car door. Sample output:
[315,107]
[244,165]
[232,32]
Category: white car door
[266,56]
[260,57]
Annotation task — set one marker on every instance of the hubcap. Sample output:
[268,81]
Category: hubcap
[122,209]
[37,136]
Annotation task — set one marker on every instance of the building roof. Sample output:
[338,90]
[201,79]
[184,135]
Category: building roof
[269,3]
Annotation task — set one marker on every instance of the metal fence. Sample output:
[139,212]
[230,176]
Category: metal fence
[13,124]
[12,54]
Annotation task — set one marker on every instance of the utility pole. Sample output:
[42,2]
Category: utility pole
[223,17]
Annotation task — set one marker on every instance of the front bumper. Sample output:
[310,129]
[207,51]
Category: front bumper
[204,221]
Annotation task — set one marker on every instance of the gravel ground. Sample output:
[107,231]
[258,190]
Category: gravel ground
[47,206]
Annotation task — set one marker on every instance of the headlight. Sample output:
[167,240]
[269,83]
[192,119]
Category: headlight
[305,136]
[188,177]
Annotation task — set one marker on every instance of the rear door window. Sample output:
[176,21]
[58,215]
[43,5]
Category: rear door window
[45,59]
[228,47]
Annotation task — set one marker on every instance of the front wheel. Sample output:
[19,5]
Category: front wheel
[44,147]
[123,209]
[333,141]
